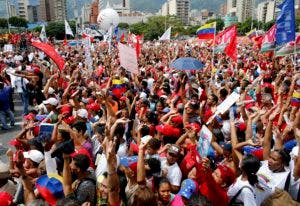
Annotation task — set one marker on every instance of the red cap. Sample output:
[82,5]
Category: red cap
[83,151]
[227,174]
[93,106]
[134,148]
[65,110]
[36,131]
[194,126]
[168,130]
[69,120]
[133,167]
[6,199]
[177,119]
[259,154]
[29,116]
[242,127]
[15,142]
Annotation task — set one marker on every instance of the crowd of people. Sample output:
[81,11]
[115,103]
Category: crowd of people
[118,138]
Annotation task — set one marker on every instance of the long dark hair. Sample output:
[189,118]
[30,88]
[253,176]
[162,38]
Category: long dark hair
[250,166]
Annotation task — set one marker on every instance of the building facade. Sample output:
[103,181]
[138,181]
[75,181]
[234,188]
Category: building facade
[22,9]
[179,8]
[94,12]
[60,10]
[53,10]
[244,9]
[266,11]
[231,7]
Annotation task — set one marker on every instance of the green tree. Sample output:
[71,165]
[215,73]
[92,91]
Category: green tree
[191,30]
[220,23]
[268,25]
[123,25]
[57,29]
[245,26]
[298,23]
[3,23]
[18,21]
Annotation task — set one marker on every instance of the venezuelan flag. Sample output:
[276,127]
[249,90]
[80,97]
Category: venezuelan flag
[207,31]
[118,87]
[251,34]
[295,99]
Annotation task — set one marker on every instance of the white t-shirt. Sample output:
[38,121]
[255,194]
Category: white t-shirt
[269,181]
[174,173]
[246,196]
[294,184]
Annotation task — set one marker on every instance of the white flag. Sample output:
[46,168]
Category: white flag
[43,35]
[68,29]
[166,35]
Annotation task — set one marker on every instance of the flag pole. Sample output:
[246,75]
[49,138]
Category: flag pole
[213,51]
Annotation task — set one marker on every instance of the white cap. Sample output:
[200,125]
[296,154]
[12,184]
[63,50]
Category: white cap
[143,95]
[51,101]
[34,155]
[82,113]
[294,152]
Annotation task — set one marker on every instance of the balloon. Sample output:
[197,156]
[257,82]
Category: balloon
[107,18]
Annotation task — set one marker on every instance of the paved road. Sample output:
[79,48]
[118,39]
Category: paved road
[7,135]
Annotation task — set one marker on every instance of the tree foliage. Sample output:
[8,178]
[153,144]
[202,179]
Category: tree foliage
[17,21]
[245,27]
[57,29]
[3,23]
[123,25]
[220,23]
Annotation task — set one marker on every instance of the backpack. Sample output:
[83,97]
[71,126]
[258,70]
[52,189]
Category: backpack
[282,197]
[233,200]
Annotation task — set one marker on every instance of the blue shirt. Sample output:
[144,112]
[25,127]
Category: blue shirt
[4,98]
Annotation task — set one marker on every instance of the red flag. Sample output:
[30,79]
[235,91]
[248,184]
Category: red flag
[228,39]
[65,41]
[122,38]
[258,41]
[297,39]
[50,51]
[138,46]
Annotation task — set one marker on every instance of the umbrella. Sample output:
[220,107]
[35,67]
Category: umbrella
[187,63]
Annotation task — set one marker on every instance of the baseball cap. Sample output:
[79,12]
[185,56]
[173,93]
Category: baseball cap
[15,142]
[168,130]
[65,109]
[34,155]
[174,149]
[194,126]
[93,106]
[51,101]
[4,170]
[177,119]
[29,116]
[130,162]
[227,174]
[188,188]
[82,113]
[50,188]
[6,199]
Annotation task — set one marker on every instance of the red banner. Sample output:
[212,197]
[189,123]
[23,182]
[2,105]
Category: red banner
[50,51]
[229,39]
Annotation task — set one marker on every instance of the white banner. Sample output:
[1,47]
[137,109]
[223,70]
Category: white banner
[128,58]
[8,48]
